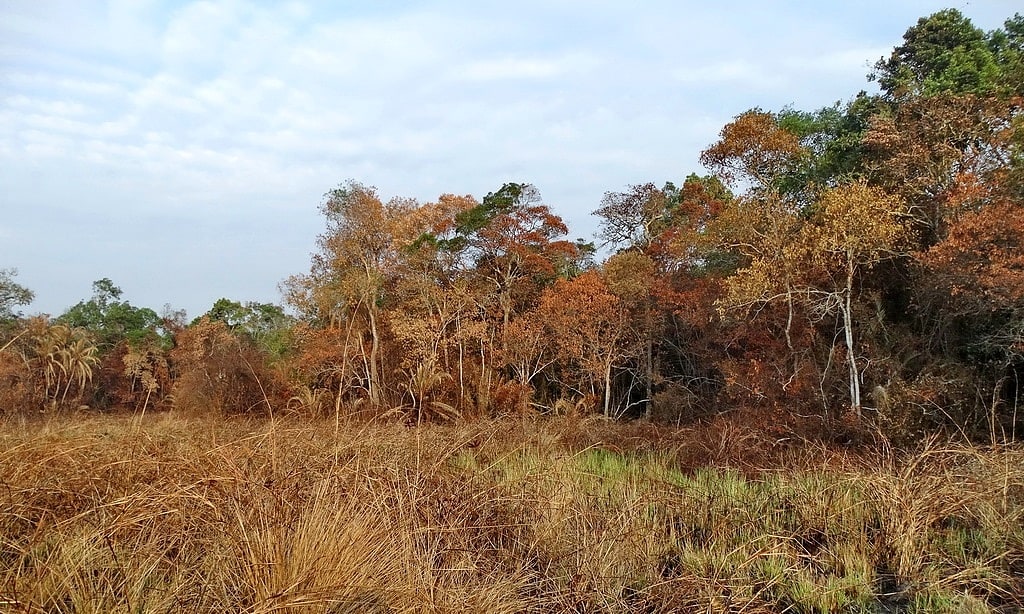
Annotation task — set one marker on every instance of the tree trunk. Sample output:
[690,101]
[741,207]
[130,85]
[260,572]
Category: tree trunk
[483,391]
[608,389]
[374,356]
[462,357]
[649,368]
[847,309]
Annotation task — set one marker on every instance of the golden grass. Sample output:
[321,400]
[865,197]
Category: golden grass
[169,514]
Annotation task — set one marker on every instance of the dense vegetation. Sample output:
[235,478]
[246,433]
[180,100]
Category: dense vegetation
[791,385]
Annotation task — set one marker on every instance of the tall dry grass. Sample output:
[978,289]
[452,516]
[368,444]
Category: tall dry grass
[109,514]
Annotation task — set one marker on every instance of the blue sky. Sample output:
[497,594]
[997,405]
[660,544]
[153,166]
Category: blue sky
[182,148]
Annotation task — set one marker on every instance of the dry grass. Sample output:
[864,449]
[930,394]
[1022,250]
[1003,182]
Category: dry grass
[107,514]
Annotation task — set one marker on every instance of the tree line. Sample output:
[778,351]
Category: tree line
[859,264]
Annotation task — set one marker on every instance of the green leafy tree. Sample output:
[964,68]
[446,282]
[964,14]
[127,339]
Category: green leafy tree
[112,320]
[946,52]
[12,295]
[832,138]
[265,324]
[1008,45]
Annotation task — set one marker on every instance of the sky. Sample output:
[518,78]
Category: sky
[182,149]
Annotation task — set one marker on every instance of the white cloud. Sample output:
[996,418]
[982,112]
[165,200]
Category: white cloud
[71,86]
[165,92]
[47,107]
[54,123]
[198,34]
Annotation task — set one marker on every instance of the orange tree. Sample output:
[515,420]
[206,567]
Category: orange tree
[592,331]
[347,287]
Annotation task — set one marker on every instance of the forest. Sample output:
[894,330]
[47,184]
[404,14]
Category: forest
[842,288]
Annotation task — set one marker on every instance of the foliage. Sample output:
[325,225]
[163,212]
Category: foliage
[219,373]
[43,363]
[113,320]
[943,154]
[636,217]
[514,243]
[12,295]
[592,330]
[754,151]
[945,52]
[862,256]
[264,324]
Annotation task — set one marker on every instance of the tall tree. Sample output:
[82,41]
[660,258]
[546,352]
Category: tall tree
[935,151]
[855,227]
[816,262]
[944,52]
[112,320]
[591,328]
[358,257]
[507,248]
[1008,45]
[755,152]
[634,218]
[515,242]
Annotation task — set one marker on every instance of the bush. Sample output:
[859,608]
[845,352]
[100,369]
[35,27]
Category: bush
[221,373]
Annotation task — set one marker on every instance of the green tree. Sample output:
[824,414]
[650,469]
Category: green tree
[12,295]
[944,52]
[265,324]
[1008,45]
[832,138]
[112,320]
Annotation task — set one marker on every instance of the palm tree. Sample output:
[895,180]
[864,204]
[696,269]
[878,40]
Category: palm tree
[78,357]
[68,356]
[48,345]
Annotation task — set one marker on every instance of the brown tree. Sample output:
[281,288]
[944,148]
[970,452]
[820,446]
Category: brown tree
[816,262]
[943,155]
[359,256]
[591,328]
[754,152]
[219,372]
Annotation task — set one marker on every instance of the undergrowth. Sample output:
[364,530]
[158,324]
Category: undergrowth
[168,514]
